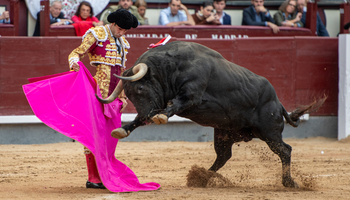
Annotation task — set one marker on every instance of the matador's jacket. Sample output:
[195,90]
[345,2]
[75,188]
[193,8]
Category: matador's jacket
[99,43]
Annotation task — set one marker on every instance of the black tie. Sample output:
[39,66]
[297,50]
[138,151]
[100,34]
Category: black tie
[116,43]
[118,48]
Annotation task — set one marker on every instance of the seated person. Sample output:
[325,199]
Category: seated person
[5,17]
[125,4]
[171,16]
[219,6]
[258,15]
[84,18]
[206,16]
[320,28]
[56,17]
[141,6]
[286,15]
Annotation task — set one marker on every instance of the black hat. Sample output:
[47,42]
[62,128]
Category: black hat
[123,18]
[347,26]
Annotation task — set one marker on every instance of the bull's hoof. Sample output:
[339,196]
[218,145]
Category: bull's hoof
[290,183]
[120,133]
[160,119]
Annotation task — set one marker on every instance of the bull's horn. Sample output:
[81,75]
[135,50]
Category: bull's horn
[117,90]
[139,71]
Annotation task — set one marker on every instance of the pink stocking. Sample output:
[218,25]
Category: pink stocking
[94,177]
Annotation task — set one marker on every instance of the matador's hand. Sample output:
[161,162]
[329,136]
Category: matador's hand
[75,66]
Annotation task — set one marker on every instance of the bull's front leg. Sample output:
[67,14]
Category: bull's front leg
[175,106]
[189,94]
[125,131]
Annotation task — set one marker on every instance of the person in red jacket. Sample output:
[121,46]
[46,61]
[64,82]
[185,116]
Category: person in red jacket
[84,18]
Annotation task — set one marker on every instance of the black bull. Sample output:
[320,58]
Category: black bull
[195,82]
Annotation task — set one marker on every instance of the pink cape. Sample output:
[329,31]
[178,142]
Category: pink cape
[66,102]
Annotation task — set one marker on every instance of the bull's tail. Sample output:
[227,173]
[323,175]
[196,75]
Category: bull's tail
[293,118]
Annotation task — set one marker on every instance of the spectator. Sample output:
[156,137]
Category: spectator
[258,15]
[286,15]
[56,17]
[206,16]
[84,18]
[125,4]
[347,27]
[141,6]
[219,6]
[320,28]
[171,16]
[5,17]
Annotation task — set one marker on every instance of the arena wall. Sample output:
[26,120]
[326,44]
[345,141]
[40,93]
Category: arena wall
[300,68]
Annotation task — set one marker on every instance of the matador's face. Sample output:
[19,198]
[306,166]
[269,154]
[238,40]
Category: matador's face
[117,31]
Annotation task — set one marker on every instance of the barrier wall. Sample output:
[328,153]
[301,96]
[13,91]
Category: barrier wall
[300,68]
[194,32]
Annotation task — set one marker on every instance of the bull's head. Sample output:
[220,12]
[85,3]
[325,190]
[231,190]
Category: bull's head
[139,71]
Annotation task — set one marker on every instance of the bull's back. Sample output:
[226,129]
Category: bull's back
[230,99]
[232,91]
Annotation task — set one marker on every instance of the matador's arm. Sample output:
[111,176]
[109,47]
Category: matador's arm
[89,42]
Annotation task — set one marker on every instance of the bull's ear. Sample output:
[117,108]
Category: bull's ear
[139,71]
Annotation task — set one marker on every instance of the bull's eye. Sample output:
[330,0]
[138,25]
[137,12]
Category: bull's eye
[140,88]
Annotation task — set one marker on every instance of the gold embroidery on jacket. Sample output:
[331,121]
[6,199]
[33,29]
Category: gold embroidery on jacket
[78,53]
[103,77]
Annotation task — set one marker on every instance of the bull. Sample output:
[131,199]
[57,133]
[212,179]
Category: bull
[195,82]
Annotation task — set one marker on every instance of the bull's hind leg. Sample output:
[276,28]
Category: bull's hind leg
[284,151]
[269,126]
[223,147]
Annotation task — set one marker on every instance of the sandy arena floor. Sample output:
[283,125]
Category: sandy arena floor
[58,171]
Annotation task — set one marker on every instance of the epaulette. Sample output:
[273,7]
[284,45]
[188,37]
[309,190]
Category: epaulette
[126,43]
[99,32]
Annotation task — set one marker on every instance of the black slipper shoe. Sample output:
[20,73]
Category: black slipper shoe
[95,185]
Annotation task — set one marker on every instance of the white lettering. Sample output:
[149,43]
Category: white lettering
[227,37]
[187,36]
